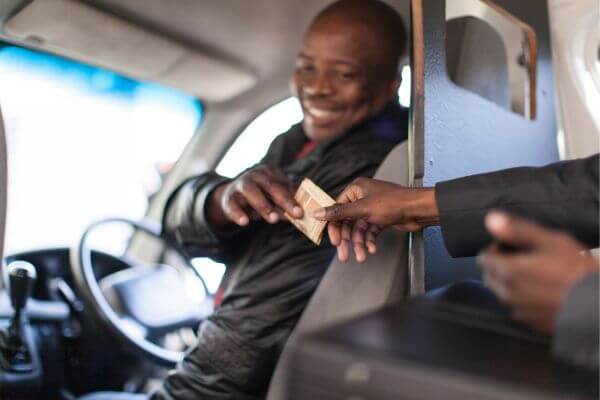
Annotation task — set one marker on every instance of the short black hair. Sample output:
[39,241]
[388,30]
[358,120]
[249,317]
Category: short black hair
[379,17]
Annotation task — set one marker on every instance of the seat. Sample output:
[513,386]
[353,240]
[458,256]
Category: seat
[351,289]
[113,396]
[3,191]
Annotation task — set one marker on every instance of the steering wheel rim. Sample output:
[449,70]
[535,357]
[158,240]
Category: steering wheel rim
[81,262]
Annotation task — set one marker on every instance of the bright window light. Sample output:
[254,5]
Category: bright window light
[212,272]
[404,90]
[84,144]
[253,143]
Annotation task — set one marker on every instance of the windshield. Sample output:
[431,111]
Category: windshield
[83,143]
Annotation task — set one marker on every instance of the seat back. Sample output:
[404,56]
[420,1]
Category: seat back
[351,289]
[3,193]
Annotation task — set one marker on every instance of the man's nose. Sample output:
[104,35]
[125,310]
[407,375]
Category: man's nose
[320,84]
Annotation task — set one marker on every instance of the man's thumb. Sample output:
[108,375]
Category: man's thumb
[339,212]
[513,230]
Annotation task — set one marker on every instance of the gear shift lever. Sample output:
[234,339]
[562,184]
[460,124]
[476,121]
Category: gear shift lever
[13,343]
[21,278]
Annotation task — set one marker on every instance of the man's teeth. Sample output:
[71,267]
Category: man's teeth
[318,113]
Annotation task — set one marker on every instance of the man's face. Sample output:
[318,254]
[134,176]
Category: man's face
[339,79]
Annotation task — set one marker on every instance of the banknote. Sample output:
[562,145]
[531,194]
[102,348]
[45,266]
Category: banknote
[311,197]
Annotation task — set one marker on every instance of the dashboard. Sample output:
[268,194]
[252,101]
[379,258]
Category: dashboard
[72,351]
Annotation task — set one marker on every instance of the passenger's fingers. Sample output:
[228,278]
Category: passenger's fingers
[344,246]
[498,264]
[256,199]
[346,231]
[359,232]
[280,194]
[342,212]
[372,233]
[516,231]
[497,286]
[509,267]
[500,272]
[234,211]
[282,178]
[277,175]
[334,229]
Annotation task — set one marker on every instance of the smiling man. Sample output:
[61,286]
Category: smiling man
[346,79]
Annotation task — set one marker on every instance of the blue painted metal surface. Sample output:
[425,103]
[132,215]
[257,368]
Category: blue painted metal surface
[466,134]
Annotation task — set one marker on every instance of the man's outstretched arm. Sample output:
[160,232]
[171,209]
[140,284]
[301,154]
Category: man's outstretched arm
[562,195]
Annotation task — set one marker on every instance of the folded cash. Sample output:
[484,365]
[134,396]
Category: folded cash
[311,197]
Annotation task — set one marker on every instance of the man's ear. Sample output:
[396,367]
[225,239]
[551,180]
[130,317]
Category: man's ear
[394,86]
[292,86]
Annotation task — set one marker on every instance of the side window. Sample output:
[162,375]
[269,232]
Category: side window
[84,143]
[253,143]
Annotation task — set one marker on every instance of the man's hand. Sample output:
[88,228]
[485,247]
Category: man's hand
[261,192]
[534,278]
[367,206]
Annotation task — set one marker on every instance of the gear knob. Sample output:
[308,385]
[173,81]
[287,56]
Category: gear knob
[21,278]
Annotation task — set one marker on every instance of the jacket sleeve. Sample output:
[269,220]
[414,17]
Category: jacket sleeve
[562,195]
[184,217]
[576,328]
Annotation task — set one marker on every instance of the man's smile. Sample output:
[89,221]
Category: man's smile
[321,115]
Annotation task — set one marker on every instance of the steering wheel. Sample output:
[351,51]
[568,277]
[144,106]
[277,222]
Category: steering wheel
[141,303]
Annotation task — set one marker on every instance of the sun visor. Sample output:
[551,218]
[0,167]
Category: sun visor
[84,33]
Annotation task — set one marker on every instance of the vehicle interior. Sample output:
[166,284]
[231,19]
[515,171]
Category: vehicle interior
[106,106]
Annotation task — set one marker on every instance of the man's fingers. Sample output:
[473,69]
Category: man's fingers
[351,193]
[279,193]
[505,273]
[341,212]
[496,263]
[359,232]
[497,285]
[515,231]
[372,233]
[334,229]
[344,246]
[234,211]
[278,174]
[256,199]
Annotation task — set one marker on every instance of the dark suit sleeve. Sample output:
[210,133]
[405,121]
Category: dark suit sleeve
[562,195]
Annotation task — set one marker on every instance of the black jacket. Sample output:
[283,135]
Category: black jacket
[562,196]
[273,269]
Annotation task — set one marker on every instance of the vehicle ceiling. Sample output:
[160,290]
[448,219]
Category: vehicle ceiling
[256,39]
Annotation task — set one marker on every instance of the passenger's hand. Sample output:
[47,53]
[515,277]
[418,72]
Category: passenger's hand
[261,192]
[367,206]
[534,279]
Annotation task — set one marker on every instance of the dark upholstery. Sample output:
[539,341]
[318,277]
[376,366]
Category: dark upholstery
[113,396]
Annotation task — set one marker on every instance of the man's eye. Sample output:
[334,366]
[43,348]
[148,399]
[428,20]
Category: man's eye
[305,69]
[346,76]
